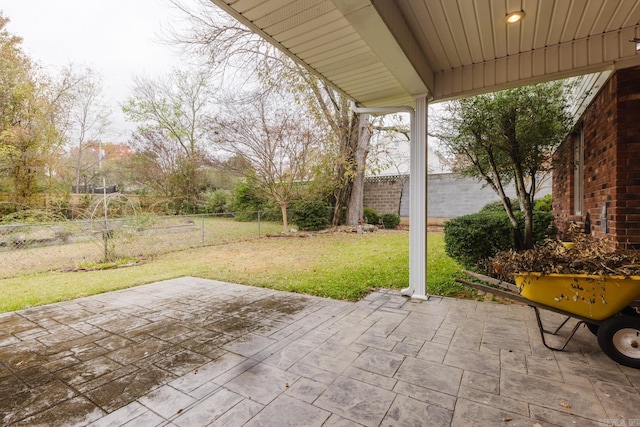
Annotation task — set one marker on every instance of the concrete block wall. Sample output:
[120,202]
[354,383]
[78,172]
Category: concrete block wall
[385,194]
[449,195]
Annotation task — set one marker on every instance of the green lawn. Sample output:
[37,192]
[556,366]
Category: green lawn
[442,270]
[337,265]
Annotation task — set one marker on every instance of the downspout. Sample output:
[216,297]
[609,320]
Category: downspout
[416,248]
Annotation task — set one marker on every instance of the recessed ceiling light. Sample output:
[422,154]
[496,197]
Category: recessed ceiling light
[514,17]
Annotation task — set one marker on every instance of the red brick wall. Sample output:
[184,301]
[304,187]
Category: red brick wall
[600,135]
[627,212]
[611,163]
[563,186]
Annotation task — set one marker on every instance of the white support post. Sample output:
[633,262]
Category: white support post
[418,203]
[418,193]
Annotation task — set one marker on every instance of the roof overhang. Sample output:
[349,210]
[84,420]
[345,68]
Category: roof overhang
[387,52]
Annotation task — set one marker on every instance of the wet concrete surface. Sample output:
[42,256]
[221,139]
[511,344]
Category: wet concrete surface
[190,352]
[101,353]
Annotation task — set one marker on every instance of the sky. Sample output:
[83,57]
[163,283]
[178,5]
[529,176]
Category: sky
[119,39]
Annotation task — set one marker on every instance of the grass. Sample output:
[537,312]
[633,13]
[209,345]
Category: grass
[442,270]
[160,235]
[339,265]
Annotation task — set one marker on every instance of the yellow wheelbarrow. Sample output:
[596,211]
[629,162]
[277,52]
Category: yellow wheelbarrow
[602,303]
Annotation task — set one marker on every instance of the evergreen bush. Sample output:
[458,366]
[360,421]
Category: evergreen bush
[543,204]
[214,201]
[390,220]
[246,202]
[498,206]
[311,215]
[371,216]
[470,239]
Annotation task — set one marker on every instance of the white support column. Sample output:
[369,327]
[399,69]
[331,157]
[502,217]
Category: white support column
[418,203]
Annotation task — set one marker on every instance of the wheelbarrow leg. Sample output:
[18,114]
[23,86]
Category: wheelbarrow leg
[559,327]
[543,331]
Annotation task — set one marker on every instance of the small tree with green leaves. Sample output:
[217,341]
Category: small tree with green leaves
[507,137]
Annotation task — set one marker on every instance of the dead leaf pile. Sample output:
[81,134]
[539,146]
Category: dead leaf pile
[587,255]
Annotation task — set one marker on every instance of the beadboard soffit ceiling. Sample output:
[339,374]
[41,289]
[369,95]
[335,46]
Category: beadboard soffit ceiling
[387,52]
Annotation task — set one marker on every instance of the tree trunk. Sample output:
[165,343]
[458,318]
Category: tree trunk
[78,168]
[525,200]
[518,240]
[355,208]
[285,222]
[527,209]
[344,171]
[402,181]
[496,185]
[528,228]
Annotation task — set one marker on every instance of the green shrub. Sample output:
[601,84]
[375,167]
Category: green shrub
[371,216]
[498,206]
[271,212]
[543,227]
[543,204]
[246,202]
[470,239]
[246,198]
[390,220]
[311,215]
[214,201]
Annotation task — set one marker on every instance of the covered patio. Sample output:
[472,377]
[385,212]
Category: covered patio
[195,352]
[401,55]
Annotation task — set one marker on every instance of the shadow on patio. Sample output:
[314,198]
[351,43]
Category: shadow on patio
[194,352]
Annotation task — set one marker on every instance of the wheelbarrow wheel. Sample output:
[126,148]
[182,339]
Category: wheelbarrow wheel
[619,338]
[629,311]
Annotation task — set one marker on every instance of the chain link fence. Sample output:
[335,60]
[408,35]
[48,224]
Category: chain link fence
[27,248]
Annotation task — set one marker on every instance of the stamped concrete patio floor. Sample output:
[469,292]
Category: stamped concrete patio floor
[195,352]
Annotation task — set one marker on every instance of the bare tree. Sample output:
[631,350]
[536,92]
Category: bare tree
[279,144]
[234,51]
[178,107]
[88,118]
